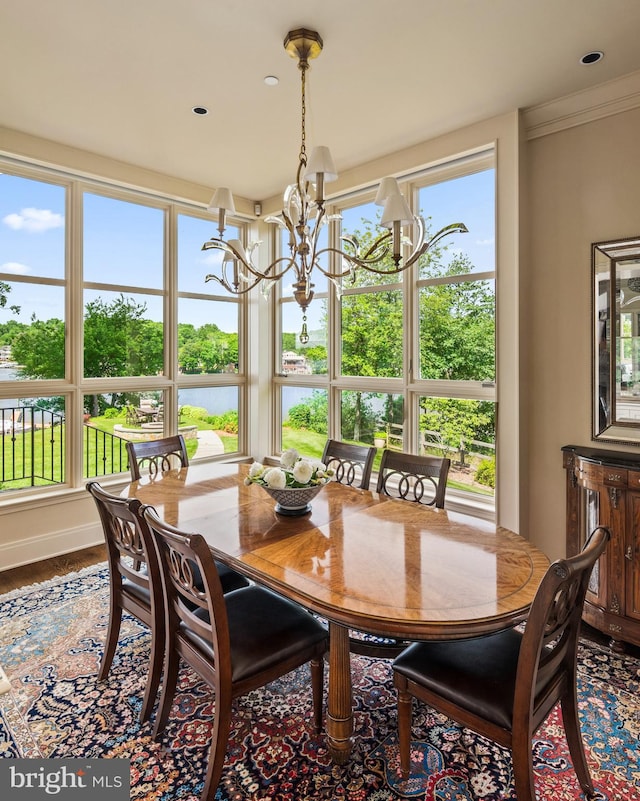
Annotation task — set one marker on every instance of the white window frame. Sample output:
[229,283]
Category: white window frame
[74,386]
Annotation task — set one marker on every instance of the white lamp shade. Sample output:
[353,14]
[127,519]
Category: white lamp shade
[321,161]
[222,199]
[237,244]
[396,209]
[388,186]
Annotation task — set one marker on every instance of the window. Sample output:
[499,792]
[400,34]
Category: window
[32,278]
[119,354]
[410,356]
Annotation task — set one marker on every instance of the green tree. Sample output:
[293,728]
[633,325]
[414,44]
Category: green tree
[115,340]
[10,330]
[457,327]
[39,349]
[456,422]
[289,342]
[311,414]
[207,350]
[5,289]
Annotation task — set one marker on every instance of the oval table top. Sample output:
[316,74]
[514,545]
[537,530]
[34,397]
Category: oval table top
[381,565]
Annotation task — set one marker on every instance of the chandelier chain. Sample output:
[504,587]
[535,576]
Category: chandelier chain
[304,66]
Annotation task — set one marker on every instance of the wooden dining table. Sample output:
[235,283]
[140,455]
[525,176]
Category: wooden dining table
[363,561]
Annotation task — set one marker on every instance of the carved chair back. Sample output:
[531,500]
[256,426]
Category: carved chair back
[157,456]
[422,479]
[351,464]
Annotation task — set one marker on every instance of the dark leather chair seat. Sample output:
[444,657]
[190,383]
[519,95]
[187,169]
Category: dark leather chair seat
[284,628]
[478,673]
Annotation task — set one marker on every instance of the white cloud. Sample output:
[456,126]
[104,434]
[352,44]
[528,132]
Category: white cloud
[490,241]
[211,258]
[34,220]
[15,268]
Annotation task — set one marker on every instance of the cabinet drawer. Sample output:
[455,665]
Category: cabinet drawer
[589,473]
[634,478]
[614,476]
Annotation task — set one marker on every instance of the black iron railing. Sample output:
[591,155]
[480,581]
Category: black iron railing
[32,446]
[104,453]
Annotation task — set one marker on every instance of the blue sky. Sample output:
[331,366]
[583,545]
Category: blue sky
[123,244]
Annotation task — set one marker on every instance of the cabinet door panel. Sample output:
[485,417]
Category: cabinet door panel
[632,557]
[596,591]
[611,563]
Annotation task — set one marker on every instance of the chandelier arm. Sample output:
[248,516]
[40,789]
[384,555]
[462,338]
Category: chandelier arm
[420,250]
[355,261]
[453,228]
[270,273]
[224,281]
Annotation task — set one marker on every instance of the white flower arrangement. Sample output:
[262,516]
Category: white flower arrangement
[295,472]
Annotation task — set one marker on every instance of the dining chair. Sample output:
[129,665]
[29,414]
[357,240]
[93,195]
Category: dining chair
[160,455]
[157,455]
[422,479]
[235,642]
[504,685]
[135,585]
[351,464]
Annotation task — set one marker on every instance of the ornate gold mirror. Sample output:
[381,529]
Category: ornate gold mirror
[616,340]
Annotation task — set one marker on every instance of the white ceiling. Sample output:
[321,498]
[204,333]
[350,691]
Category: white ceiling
[119,77]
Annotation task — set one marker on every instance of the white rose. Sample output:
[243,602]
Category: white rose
[275,478]
[302,471]
[256,469]
[288,458]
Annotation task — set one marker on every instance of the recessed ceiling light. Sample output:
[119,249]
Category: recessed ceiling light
[201,110]
[592,57]
[271,80]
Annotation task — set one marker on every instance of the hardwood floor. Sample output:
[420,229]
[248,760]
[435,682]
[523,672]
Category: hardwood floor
[48,568]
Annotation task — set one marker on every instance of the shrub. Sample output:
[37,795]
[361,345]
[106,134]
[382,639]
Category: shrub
[486,473]
[194,412]
[227,422]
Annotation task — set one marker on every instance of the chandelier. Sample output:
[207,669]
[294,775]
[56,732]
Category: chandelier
[303,217]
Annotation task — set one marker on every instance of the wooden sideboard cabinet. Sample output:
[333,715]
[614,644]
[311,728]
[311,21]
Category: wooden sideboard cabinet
[603,488]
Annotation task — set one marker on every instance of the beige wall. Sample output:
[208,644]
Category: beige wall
[584,187]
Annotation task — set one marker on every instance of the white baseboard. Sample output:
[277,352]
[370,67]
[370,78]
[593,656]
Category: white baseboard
[57,543]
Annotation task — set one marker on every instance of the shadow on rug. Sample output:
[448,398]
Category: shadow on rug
[50,645]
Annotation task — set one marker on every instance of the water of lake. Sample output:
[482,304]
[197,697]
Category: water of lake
[216,400]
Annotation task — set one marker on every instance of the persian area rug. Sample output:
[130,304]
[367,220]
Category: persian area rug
[50,646]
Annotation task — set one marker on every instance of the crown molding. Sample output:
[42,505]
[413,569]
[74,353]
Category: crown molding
[604,100]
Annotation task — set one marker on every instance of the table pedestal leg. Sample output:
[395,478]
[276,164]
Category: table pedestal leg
[339,704]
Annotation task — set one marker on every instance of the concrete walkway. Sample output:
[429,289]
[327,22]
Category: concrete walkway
[209,444]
